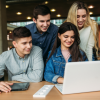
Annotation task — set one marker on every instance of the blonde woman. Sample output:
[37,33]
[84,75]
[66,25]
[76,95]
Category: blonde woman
[88,29]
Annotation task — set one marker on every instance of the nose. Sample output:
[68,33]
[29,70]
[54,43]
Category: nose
[28,45]
[80,19]
[69,39]
[45,23]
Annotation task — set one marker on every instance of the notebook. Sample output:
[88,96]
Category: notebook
[80,77]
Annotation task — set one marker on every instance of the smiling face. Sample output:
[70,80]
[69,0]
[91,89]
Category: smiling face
[67,39]
[81,18]
[23,46]
[42,23]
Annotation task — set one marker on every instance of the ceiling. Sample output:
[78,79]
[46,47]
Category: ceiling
[26,8]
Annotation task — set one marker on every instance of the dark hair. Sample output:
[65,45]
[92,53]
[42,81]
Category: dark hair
[40,10]
[20,32]
[74,48]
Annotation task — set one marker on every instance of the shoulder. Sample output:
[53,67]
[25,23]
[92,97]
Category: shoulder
[53,27]
[7,54]
[35,49]
[53,55]
[29,26]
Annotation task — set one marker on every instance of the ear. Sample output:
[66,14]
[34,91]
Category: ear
[59,35]
[34,20]
[14,44]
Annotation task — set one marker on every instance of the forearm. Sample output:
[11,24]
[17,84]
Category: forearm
[33,76]
[51,77]
[34,72]
[1,71]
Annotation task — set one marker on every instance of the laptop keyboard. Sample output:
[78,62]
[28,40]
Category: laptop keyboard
[59,87]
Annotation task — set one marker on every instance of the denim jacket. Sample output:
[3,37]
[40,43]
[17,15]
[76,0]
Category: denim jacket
[56,65]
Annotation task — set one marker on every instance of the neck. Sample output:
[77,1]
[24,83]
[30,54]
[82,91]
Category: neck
[64,48]
[39,31]
[80,28]
[19,54]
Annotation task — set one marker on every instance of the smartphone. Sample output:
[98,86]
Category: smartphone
[19,86]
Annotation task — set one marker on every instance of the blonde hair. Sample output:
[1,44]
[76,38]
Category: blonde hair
[72,17]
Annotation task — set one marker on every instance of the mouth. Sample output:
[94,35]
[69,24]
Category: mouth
[28,50]
[68,43]
[45,28]
[80,23]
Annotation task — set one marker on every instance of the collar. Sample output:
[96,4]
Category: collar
[59,53]
[34,28]
[15,53]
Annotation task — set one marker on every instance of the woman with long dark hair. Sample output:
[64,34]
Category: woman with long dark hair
[65,49]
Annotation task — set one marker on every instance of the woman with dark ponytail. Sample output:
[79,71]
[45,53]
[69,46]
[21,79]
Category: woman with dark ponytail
[65,49]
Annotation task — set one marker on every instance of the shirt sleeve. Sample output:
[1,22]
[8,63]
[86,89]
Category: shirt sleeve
[34,75]
[89,48]
[2,65]
[49,74]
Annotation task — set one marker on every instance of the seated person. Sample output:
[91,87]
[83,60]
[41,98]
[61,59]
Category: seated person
[24,63]
[65,49]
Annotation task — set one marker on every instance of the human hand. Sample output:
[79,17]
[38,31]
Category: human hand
[60,80]
[4,86]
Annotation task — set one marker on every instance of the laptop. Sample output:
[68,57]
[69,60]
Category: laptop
[80,77]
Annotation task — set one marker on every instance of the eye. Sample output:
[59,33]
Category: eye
[73,37]
[78,16]
[24,43]
[41,21]
[65,36]
[48,20]
[30,42]
[84,16]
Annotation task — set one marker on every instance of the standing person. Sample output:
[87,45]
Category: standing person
[79,15]
[65,49]
[24,63]
[43,32]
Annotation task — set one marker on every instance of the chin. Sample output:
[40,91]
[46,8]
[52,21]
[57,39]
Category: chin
[80,26]
[68,46]
[44,30]
[27,53]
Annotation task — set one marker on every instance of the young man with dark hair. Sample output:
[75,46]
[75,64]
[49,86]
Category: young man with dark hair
[24,62]
[43,32]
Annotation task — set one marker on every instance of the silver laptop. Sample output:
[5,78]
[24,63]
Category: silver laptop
[80,77]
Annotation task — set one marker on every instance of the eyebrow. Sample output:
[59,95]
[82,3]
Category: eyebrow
[26,42]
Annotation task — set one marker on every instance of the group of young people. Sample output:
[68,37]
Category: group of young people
[44,44]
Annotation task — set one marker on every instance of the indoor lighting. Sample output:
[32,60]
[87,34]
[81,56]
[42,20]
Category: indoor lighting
[53,10]
[29,17]
[7,6]
[18,13]
[91,6]
[10,32]
[58,15]
[46,2]
[90,13]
